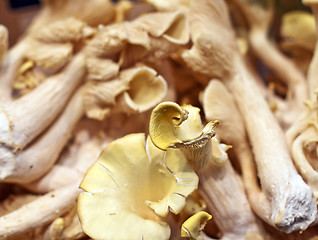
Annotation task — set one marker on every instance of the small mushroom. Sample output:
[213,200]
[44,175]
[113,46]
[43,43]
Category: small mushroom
[171,127]
[135,90]
[193,226]
[130,187]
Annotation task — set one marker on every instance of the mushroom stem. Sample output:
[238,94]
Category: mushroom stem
[38,157]
[275,60]
[25,123]
[72,168]
[259,18]
[307,171]
[39,212]
[292,202]
[223,191]
[313,71]
[218,103]
[257,198]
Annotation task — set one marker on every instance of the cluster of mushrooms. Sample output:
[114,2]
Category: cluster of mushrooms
[160,119]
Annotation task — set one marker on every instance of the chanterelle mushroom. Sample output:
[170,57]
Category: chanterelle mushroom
[166,131]
[130,186]
[219,185]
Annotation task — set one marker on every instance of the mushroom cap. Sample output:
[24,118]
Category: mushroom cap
[130,184]
[192,227]
[171,124]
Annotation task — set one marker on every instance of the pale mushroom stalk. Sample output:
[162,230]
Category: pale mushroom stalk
[224,195]
[39,212]
[293,206]
[218,103]
[259,18]
[306,169]
[302,135]
[21,122]
[72,168]
[39,156]
[290,195]
[25,123]
[297,88]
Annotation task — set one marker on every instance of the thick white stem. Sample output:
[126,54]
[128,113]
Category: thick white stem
[33,112]
[224,195]
[293,205]
[276,61]
[258,200]
[39,212]
[72,168]
[305,168]
[38,158]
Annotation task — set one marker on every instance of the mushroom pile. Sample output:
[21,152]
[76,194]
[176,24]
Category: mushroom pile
[161,119]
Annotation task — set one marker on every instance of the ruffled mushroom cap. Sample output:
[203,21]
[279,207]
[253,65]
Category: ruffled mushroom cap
[135,90]
[193,226]
[172,126]
[130,178]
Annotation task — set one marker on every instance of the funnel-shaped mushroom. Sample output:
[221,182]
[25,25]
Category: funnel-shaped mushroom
[129,178]
[171,126]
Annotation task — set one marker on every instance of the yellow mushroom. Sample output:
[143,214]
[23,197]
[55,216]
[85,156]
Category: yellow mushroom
[130,187]
[193,226]
[172,126]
